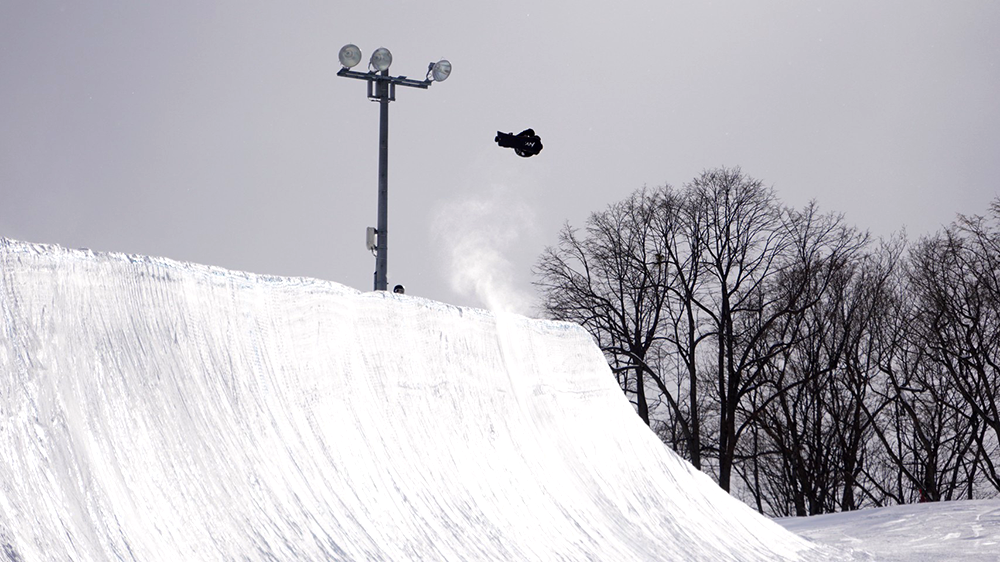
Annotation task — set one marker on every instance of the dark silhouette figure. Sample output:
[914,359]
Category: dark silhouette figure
[525,144]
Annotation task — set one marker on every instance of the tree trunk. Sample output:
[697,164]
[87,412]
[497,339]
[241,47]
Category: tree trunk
[640,395]
[694,443]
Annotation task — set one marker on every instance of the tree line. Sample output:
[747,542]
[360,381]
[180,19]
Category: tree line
[806,366]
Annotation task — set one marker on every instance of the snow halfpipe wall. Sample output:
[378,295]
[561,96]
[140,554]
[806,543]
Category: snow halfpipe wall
[157,410]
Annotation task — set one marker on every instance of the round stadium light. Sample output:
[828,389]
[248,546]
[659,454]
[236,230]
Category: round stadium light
[350,56]
[440,70]
[381,59]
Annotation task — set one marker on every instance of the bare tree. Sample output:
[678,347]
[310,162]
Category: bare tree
[763,267]
[743,242]
[612,280]
[683,251]
[955,282]
[771,345]
[816,429]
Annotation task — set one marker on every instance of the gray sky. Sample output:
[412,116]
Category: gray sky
[219,132]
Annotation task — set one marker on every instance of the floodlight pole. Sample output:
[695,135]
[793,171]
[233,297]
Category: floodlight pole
[382,88]
[382,249]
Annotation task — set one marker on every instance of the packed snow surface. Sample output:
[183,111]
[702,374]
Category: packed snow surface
[156,410]
[929,532]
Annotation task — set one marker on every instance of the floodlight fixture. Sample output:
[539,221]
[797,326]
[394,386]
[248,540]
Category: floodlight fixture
[381,59]
[439,70]
[350,56]
[382,89]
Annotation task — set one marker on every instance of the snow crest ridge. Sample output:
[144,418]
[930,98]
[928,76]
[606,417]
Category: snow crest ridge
[158,410]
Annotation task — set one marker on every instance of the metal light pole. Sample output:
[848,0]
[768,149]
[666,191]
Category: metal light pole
[382,88]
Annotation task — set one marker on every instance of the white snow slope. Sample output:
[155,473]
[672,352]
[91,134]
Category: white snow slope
[156,410]
[968,531]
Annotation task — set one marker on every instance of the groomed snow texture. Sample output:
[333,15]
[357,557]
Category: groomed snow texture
[156,410]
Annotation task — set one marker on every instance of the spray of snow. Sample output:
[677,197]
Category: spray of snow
[477,232]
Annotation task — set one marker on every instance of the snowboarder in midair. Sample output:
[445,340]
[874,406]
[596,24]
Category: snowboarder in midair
[525,144]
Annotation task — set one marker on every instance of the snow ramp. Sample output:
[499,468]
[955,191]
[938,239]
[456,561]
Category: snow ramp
[158,410]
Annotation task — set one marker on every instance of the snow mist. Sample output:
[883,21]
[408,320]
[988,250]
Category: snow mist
[475,234]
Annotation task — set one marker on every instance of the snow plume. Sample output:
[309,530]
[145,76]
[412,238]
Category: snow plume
[476,234]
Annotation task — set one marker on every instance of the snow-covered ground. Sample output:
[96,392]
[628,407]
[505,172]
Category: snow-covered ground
[961,530]
[156,410]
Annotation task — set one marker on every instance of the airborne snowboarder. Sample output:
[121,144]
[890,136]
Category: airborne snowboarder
[525,144]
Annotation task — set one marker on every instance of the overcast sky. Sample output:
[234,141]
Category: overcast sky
[219,133]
